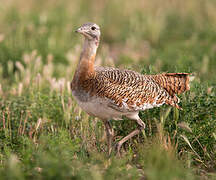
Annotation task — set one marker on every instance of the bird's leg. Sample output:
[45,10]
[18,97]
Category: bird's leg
[132,134]
[109,134]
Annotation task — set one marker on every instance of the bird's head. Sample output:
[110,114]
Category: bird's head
[91,31]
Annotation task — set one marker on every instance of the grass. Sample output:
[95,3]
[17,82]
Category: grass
[45,135]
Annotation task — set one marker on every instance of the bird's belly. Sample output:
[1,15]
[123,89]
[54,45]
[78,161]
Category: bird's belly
[98,107]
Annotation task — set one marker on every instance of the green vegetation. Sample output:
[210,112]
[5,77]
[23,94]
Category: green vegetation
[45,135]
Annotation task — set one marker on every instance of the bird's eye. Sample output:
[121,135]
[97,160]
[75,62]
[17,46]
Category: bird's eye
[93,28]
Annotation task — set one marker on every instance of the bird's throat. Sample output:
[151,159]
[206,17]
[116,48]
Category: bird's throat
[89,49]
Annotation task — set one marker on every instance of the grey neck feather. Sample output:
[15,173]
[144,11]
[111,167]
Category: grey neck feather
[89,48]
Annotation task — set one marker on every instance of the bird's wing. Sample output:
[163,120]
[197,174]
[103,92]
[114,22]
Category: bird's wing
[128,90]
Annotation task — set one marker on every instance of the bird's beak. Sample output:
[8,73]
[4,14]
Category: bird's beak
[83,32]
[79,30]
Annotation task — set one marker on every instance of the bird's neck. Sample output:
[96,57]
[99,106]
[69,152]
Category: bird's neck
[89,50]
[87,58]
[85,68]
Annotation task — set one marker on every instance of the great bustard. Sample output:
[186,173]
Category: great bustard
[110,93]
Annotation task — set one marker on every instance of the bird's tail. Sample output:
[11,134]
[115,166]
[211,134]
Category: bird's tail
[174,83]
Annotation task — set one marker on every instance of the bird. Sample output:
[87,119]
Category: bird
[110,93]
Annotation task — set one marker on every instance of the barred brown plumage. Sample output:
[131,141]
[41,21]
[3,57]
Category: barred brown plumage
[110,93]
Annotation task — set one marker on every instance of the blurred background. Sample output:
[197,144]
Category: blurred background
[45,135]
